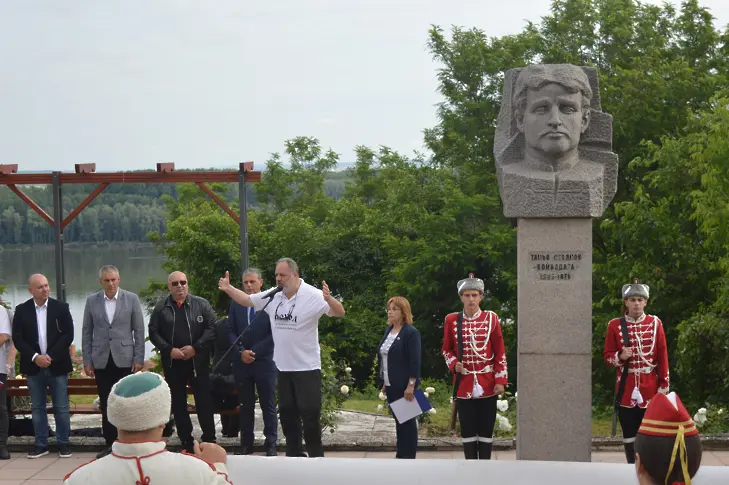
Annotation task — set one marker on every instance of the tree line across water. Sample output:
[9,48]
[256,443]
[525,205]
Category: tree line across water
[413,225]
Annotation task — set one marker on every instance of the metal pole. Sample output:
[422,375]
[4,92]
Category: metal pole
[243,206]
[58,233]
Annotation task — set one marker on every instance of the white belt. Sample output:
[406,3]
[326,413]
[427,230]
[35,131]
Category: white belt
[642,370]
[486,370]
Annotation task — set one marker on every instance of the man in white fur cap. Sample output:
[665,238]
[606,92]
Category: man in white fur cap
[139,406]
[635,344]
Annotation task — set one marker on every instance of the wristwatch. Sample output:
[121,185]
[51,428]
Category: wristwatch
[411,382]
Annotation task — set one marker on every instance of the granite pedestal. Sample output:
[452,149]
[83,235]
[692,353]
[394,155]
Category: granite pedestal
[554,350]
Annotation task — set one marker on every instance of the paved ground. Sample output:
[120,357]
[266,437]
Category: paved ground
[51,469]
[356,432]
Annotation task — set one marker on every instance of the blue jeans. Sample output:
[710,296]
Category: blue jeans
[37,385]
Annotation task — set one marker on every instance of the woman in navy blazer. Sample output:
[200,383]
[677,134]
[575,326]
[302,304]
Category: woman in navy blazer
[398,362]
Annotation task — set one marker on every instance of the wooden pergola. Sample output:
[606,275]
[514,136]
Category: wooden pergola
[85,173]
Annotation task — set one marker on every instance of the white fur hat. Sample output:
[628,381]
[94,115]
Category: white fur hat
[470,283]
[636,289]
[139,402]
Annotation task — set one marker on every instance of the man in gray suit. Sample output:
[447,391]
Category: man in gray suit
[112,340]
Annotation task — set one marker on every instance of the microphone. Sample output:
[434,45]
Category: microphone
[273,292]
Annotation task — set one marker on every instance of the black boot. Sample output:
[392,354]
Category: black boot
[4,455]
[470,450]
[629,452]
[484,450]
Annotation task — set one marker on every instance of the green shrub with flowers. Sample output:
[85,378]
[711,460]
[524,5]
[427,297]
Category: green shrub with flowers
[712,420]
[336,386]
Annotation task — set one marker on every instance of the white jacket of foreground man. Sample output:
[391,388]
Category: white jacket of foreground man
[148,464]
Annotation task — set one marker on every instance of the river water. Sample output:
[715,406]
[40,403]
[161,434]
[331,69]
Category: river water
[137,264]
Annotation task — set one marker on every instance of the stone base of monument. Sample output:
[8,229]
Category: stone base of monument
[554,267]
[353,471]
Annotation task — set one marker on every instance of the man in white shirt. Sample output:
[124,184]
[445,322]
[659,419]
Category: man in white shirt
[5,333]
[43,334]
[295,309]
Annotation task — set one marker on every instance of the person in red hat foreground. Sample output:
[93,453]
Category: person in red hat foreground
[668,446]
[636,345]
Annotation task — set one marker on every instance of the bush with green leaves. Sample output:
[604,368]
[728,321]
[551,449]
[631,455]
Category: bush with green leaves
[336,383]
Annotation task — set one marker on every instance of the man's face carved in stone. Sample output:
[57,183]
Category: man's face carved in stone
[553,120]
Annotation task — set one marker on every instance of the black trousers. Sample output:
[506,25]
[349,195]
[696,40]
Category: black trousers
[299,403]
[477,418]
[406,442]
[105,380]
[228,422]
[4,423]
[177,376]
[630,419]
[263,381]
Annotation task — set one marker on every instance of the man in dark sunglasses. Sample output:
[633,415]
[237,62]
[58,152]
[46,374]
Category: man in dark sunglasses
[182,328]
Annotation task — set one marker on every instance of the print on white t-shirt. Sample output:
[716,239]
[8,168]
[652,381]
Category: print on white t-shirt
[295,327]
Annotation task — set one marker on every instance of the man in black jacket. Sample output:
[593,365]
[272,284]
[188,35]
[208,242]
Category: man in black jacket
[182,328]
[43,334]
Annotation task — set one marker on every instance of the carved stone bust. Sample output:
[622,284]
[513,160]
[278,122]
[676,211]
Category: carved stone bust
[553,144]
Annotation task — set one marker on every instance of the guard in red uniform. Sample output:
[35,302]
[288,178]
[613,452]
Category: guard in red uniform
[636,343]
[473,348]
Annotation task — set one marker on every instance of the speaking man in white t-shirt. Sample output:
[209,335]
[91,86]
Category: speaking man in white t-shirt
[295,309]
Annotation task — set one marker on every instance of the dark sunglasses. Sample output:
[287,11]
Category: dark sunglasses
[179,283]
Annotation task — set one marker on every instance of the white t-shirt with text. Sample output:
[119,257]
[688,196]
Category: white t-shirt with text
[295,327]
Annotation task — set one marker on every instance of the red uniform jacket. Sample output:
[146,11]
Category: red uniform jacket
[648,370]
[484,356]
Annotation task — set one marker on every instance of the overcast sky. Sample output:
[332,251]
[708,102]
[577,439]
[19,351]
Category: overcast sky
[130,83]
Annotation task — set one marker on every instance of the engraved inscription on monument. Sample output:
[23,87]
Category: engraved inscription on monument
[554,265]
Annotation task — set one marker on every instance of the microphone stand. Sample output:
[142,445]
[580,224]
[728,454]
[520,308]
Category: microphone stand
[237,340]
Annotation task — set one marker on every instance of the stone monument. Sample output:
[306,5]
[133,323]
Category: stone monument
[556,171]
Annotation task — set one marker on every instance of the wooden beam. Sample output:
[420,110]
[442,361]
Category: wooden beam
[8,169]
[221,203]
[84,203]
[127,177]
[85,168]
[32,204]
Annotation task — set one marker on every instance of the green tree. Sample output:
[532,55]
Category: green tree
[681,207]
[657,67]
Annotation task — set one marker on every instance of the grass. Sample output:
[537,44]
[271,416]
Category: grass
[439,426]
[81,400]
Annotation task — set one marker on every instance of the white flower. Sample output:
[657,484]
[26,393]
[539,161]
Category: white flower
[502,405]
[702,411]
[380,407]
[382,396]
[431,411]
[429,390]
[516,394]
[426,394]
[720,411]
[699,419]
[347,370]
[344,389]
[503,423]
[451,400]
